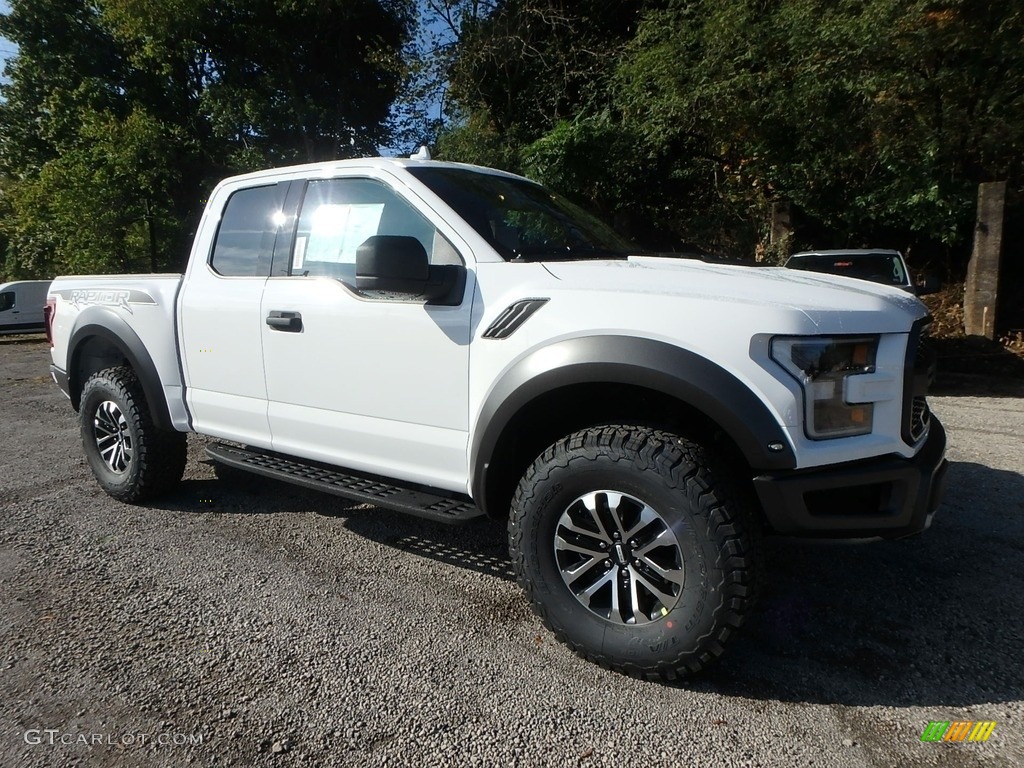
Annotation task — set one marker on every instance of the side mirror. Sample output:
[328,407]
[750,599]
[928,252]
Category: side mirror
[927,285]
[391,263]
[399,264]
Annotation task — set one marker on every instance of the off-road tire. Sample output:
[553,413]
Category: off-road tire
[154,459]
[699,500]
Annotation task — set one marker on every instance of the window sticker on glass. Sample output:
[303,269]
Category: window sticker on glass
[338,230]
[300,252]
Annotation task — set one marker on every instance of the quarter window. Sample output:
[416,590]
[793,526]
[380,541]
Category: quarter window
[247,231]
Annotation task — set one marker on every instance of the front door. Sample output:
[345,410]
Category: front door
[371,383]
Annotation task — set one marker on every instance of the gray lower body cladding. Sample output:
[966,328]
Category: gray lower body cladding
[888,497]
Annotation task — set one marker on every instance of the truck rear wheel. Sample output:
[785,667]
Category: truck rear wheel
[133,460]
[633,550]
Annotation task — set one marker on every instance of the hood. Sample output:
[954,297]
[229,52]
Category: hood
[832,304]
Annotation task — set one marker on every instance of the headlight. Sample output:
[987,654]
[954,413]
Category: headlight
[822,365]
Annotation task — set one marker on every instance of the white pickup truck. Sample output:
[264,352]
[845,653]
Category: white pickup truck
[453,341]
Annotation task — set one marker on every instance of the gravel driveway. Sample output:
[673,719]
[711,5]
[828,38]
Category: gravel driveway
[245,622]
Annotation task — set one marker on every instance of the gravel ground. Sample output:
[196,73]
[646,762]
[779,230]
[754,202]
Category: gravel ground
[254,623]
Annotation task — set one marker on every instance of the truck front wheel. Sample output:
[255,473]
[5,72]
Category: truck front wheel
[634,549]
[133,460]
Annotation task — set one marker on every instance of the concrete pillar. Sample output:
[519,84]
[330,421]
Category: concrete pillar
[983,272]
[780,234]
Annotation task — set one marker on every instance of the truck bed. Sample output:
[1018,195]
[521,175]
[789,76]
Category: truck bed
[137,310]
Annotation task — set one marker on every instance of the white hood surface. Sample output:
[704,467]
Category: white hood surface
[827,301]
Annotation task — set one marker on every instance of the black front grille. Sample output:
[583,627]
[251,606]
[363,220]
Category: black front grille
[918,374]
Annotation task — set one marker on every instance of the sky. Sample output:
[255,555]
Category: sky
[7,48]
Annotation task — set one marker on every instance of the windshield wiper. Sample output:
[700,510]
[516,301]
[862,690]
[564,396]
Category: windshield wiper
[593,251]
[574,253]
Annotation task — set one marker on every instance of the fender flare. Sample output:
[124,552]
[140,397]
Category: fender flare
[655,365]
[105,324]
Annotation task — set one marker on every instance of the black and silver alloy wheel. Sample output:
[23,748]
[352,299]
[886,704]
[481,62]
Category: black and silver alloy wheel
[113,437]
[132,459]
[637,548]
[619,558]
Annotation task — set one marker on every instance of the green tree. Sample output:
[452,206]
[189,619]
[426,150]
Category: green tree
[119,114]
[528,65]
[692,119]
[423,109]
[877,119]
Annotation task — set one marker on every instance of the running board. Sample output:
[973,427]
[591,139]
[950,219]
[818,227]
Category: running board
[368,489]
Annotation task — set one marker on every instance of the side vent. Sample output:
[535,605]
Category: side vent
[515,315]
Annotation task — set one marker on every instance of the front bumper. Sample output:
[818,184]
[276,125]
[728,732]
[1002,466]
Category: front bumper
[888,496]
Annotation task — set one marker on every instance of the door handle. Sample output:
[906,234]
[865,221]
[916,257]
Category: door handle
[285,321]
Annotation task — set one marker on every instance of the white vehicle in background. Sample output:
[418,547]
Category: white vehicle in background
[453,342]
[21,306]
[875,264]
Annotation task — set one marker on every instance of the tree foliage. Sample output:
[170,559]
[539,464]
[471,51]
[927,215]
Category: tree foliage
[872,117]
[119,114]
[533,63]
[875,118]
[423,109]
[680,120]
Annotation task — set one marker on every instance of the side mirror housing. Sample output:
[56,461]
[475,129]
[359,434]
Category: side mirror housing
[399,264]
[392,263]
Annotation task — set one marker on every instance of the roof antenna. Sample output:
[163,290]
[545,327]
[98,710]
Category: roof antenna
[421,154]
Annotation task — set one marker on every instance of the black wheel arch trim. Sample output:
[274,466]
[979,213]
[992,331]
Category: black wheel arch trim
[114,330]
[656,365]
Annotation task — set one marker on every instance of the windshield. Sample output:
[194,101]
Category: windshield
[876,267]
[521,219]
